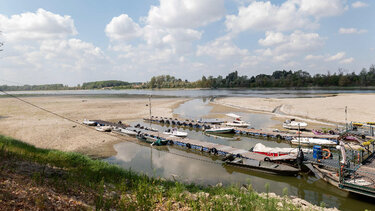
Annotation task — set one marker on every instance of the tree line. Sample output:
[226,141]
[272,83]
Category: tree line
[278,79]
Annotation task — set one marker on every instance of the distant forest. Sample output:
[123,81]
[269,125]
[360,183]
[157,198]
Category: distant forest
[278,79]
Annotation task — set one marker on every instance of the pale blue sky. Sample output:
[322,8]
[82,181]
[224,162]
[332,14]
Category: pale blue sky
[135,40]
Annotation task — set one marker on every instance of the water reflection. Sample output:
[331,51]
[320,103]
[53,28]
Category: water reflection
[190,166]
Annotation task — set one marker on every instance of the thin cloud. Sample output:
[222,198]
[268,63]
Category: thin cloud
[352,31]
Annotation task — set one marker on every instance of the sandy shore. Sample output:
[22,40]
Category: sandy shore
[45,130]
[361,107]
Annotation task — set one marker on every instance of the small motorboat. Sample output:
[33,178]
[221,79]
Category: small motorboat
[128,132]
[276,151]
[237,122]
[143,138]
[220,130]
[151,129]
[154,141]
[89,122]
[103,128]
[174,132]
[292,124]
[313,141]
[264,166]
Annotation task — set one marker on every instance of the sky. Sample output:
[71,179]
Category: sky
[71,42]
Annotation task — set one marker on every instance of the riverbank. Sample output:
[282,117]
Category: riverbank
[329,109]
[42,129]
[65,180]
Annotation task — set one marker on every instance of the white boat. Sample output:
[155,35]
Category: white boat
[277,151]
[88,122]
[313,141]
[128,132]
[174,132]
[220,130]
[151,129]
[292,124]
[237,122]
[104,128]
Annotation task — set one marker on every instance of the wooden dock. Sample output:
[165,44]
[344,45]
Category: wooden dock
[213,148]
[240,131]
[208,147]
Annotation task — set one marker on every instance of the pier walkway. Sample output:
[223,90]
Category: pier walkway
[208,147]
[213,148]
[240,131]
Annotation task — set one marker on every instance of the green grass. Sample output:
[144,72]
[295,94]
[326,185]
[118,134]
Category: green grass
[133,191]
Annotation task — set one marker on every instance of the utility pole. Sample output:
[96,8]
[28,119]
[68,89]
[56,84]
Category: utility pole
[299,137]
[149,102]
[346,118]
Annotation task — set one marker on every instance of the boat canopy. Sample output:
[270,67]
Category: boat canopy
[233,115]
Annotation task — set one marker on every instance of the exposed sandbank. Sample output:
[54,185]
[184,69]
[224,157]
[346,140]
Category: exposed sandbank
[361,107]
[45,130]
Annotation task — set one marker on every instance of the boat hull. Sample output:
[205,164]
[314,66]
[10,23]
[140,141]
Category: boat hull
[293,127]
[265,166]
[237,125]
[220,130]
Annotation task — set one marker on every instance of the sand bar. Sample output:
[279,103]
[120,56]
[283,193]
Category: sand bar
[361,107]
[37,127]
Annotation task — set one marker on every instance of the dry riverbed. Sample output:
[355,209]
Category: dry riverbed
[331,109]
[42,129]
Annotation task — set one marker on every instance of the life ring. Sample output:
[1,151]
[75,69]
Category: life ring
[328,153]
[214,151]
[188,145]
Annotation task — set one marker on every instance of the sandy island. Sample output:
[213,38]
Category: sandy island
[45,130]
[360,107]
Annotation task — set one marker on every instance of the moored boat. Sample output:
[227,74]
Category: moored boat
[128,132]
[313,141]
[175,132]
[103,128]
[220,130]
[292,124]
[264,166]
[276,151]
[89,122]
[237,122]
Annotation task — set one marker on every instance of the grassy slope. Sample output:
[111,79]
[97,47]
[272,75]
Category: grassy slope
[101,185]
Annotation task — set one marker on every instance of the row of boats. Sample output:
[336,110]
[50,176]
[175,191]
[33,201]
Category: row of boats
[215,129]
[274,157]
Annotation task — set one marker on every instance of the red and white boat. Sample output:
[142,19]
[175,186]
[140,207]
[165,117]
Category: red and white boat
[277,151]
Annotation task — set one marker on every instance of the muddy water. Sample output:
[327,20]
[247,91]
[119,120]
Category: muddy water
[189,166]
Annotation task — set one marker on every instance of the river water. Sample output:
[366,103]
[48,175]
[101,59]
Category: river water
[188,166]
[280,93]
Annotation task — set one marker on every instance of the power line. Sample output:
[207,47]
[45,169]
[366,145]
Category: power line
[86,126]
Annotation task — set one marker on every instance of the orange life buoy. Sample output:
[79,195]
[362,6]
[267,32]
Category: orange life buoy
[328,153]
